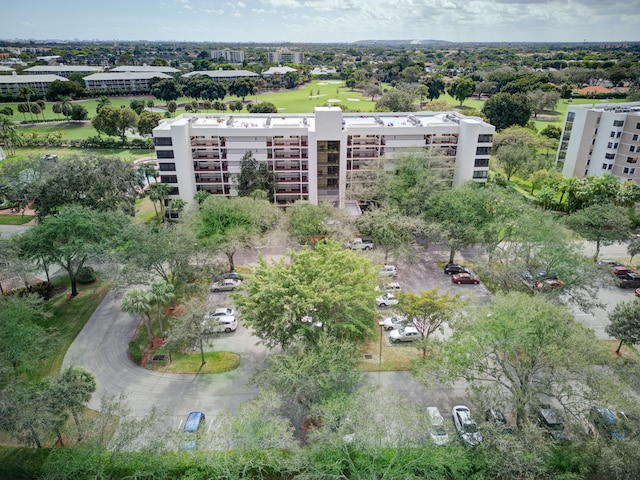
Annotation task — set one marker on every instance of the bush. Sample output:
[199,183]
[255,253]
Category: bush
[135,352]
[86,275]
[44,289]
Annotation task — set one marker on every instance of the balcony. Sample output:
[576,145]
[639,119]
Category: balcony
[292,190]
[210,166]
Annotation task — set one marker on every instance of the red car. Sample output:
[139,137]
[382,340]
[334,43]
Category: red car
[465,278]
[621,271]
[637,292]
[550,284]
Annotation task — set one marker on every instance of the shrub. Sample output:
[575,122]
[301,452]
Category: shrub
[86,275]
[135,352]
[44,289]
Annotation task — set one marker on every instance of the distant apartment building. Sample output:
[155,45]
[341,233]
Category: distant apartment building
[316,157]
[601,138]
[229,56]
[282,56]
[221,75]
[11,84]
[61,70]
[145,69]
[114,81]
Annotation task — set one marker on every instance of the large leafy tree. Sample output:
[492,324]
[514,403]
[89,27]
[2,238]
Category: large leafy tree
[625,323]
[603,224]
[254,176]
[327,289]
[517,350]
[75,236]
[462,88]
[395,101]
[513,157]
[226,224]
[166,89]
[100,183]
[115,121]
[435,86]
[506,109]
[147,122]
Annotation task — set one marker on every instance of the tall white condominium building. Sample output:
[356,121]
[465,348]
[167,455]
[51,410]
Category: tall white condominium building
[601,138]
[231,56]
[283,56]
[316,157]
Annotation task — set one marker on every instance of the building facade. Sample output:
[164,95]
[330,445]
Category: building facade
[11,84]
[132,81]
[316,157]
[285,56]
[230,56]
[61,70]
[599,139]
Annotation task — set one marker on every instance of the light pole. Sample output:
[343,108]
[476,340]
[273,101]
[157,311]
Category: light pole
[381,323]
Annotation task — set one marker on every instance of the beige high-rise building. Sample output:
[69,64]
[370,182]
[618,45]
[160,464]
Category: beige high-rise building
[601,138]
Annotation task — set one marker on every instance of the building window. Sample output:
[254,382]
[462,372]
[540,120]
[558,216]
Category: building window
[625,170]
[632,159]
[638,126]
[480,174]
[610,156]
[571,116]
[610,145]
[164,153]
[618,134]
[632,171]
[618,123]
[481,162]
[163,141]
[483,151]
[604,166]
[484,138]
[615,145]
[613,134]
[167,167]
[632,148]
[635,137]
[169,178]
[610,167]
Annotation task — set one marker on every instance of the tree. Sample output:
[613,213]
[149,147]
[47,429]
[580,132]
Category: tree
[262,107]
[79,113]
[603,224]
[506,109]
[543,100]
[395,101]
[172,106]
[255,175]
[310,374]
[514,351]
[69,391]
[186,330]
[137,106]
[59,89]
[512,157]
[462,88]
[64,106]
[325,290]
[138,302]
[625,323]
[372,90]
[25,93]
[158,192]
[103,102]
[551,131]
[161,293]
[100,183]
[435,86]
[10,135]
[633,248]
[75,236]
[240,88]
[166,89]
[147,122]
[226,224]
[114,121]
[307,221]
[390,230]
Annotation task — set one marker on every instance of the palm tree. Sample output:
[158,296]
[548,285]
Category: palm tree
[137,302]
[26,93]
[161,293]
[103,102]
[64,106]
[158,192]
[9,134]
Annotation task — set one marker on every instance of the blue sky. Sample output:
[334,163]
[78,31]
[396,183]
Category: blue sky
[323,20]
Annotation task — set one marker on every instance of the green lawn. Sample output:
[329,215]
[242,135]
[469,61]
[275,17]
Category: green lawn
[26,152]
[17,219]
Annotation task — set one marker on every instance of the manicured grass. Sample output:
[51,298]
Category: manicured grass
[26,152]
[216,362]
[144,210]
[396,357]
[17,219]
[629,355]
[69,317]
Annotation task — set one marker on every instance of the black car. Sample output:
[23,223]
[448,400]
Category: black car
[630,280]
[550,420]
[450,268]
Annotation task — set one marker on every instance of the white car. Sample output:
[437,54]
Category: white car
[389,287]
[220,312]
[466,427]
[394,322]
[437,432]
[226,285]
[388,271]
[386,300]
[219,324]
[404,334]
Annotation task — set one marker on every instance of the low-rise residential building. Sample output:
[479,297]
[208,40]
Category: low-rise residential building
[283,55]
[11,84]
[145,68]
[230,56]
[601,138]
[130,81]
[221,75]
[277,71]
[61,70]
[316,157]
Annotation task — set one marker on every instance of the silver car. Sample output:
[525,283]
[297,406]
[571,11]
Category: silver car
[404,334]
[226,285]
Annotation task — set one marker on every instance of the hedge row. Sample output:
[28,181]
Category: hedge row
[91,142]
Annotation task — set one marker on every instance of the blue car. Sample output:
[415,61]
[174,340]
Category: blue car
[605,421]
[191,430]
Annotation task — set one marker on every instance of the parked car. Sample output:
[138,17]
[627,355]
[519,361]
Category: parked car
[622,270]
[630,280]
[232,275]
[451,268]
[549,284]
[388,271]
[359,244]
[610,263]
[497,418]
[226,285]
[404,334]
[466,427]
[549,419]
[465,278]
[389,287]
[437,431]
[219,323]
[386,300]
[605,422]
[637,292]
[220,312]
[191,430]
[394,322]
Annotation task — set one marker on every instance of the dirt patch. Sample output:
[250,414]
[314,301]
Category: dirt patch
[157,342]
